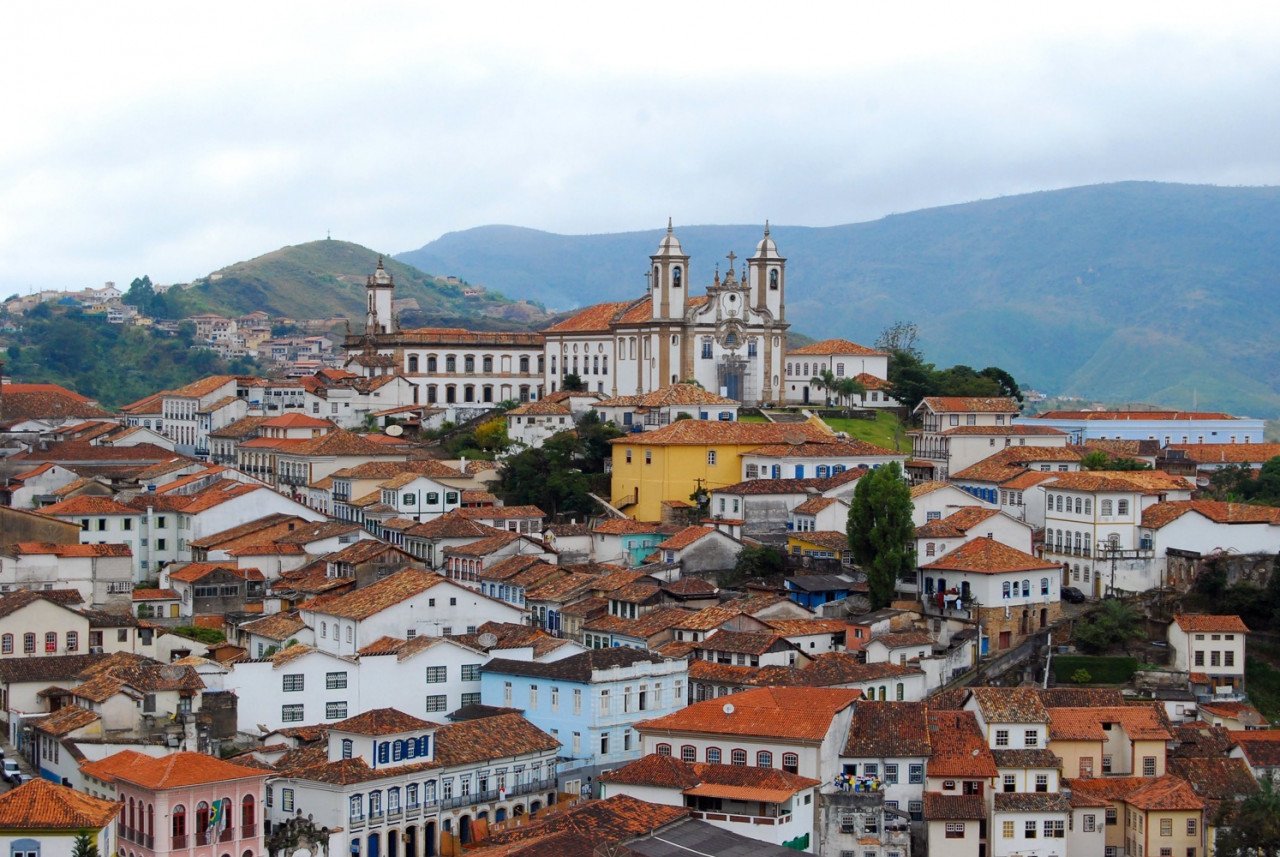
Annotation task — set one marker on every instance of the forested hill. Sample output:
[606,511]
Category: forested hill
[321,279]
[1126,292]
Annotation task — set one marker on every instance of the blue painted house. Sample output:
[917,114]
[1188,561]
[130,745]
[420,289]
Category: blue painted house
[589,702]
[814,590]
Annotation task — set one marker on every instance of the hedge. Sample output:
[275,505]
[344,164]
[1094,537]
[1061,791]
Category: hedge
[1103,669]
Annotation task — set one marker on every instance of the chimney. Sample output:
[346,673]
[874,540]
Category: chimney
[462,465]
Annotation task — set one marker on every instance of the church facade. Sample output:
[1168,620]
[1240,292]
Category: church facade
[731,340]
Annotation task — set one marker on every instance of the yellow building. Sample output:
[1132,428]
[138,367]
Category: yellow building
[675,461]
[825,544]
[1150,816]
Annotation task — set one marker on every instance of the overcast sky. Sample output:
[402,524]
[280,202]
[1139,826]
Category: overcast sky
[175,138]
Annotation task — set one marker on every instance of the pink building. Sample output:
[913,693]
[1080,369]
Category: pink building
[191,805]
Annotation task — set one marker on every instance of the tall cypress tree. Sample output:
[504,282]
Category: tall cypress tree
[881,534]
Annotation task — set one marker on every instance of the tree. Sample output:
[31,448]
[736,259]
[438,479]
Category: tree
[492,436]
[1099,460]
[1114,624]
[881,534]
[593,448]
[574,383]
[1255,829]
[826,381]
[84,845]
[756,562]
[1081,676]
[900,336]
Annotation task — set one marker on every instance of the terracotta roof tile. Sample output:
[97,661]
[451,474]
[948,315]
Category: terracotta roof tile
[971,404]
[686,537]
[1134,415]
[1210,622]
[1016,430]
[72,550]
[182,769]
[87,505]
[702,432]
[107,768]
[835,348]
[500,737]
[959,749]
[1227,453]
[42,805]
[596,318]
[667,396]
[278,626]
[1010,705]
[391,590]
[155,595]
[802,714]
[1139,481]
[1038,802]
[1163,514]
[987,556]
[944,807]
[382,721]
[888,729]
[65,720]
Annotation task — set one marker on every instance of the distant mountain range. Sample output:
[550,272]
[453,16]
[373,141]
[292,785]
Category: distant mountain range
[1135,291]
[321,279]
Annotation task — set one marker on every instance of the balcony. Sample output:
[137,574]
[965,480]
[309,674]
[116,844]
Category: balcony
[129,834]
[179,842]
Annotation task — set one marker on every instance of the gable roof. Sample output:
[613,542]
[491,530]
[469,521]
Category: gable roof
[788,713]
[182,769]
[835,347]
[702,432]
[959,749]
[382,721]
[1139,481]
[988,556]
[1010,704]
[1162,514]
[41,805]
[888,729]
[575,668]
[369,600]
[971,404]
[1210,622]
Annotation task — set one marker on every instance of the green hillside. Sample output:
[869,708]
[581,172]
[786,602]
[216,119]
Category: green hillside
[1135,291]
[321,279]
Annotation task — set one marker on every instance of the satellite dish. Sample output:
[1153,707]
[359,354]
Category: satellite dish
[169,672]
[394,430]
[487,640]
[728,708]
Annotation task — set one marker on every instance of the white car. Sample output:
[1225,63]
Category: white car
[11,772]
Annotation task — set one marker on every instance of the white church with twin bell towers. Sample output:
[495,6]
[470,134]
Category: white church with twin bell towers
[731,340]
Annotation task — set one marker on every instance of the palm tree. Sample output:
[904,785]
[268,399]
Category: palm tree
[847,388]
[824,380]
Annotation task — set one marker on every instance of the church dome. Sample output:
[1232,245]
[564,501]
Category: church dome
[381,276]
[670,244]
[766,249]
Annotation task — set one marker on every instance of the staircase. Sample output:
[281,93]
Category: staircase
[785,416]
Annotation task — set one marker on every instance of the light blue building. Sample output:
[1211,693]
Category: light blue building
[589,702]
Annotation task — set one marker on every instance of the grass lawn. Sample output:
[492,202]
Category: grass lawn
[752,418]
[879,431]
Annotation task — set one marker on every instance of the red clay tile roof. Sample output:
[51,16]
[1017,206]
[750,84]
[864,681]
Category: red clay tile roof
[959,749]
[745,642]
[87,505]
[814,505]
[669,772]
[957,807]
[382,721]
[65,720]
[500,737]
[182,769]
[685,537]
[72,550]
[41,805]
[1165,793]
[366,601]
[1219,779]
[596,318]
[540,408]
[1010,705]
[194,571]
[835,347]
[1140,723]
[155,595]
[1191,622]
[971,404]
[278,626]
[1141,481]
[1134,415]
[666,396]
[1227,453]
[987,556]
[888,729]
[581,829]
[1004,431]
[1012,461]
[625,527]
[107,768]
[705,432]
[1163,514]
[789,713]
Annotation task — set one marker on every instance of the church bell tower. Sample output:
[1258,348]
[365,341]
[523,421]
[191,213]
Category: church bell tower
[380,290]
[768,277]
[668,278]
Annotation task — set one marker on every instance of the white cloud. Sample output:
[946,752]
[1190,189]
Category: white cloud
[169,139]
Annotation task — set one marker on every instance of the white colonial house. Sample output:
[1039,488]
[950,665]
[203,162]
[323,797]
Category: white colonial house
[408,603]
[532,423]
[1211,649]
[843,359]
[102,574]
[811,458]
[1093,527]
[939,414]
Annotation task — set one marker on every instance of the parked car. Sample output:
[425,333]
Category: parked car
[1070,593]
[11,772]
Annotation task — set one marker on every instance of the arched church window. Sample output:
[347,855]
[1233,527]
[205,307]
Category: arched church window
[676,277]
[751,347]
[773,280]
[656,276]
